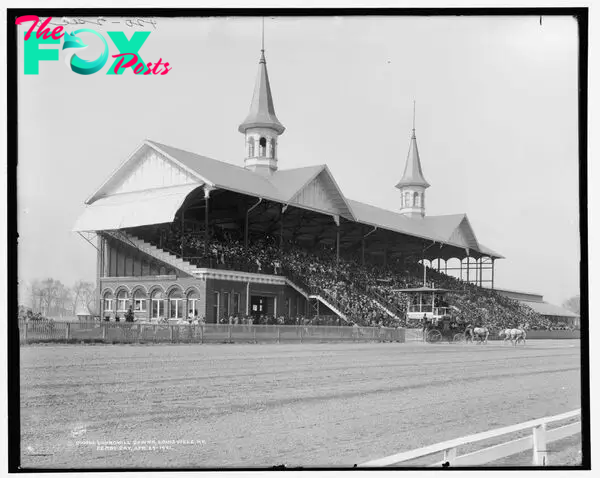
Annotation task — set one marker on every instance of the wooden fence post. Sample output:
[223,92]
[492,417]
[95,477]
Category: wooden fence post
[26,328]
[254,333]
[201,334]
[540,454]
[278,334]
[68,331]
[301,333]
[171,332]
[103,331]
[229,333]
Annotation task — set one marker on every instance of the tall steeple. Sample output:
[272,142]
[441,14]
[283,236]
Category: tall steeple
[261,127]
[413,184]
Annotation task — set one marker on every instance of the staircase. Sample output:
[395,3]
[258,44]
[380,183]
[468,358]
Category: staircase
[385,309]
[334,309]
[153,251]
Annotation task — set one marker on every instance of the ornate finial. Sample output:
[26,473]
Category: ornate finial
[263,36]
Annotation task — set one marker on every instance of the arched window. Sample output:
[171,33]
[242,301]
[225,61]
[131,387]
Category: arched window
[262,146]
[407,199]
[417,200]
[122,301]
[193,303]
[139,301]
[176,305]
[273,143]
[251,148]
[108,302]
[158,305]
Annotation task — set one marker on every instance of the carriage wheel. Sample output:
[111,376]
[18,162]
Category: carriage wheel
[434,336]
[459,338]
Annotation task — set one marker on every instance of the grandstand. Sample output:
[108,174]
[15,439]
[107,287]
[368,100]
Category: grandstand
[180,236]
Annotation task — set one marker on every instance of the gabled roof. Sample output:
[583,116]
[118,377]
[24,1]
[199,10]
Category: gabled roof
[288,187]
[291,181]
[386,219]
[445,225]
[323,181]
[223,175]
[413,173]
[262,110]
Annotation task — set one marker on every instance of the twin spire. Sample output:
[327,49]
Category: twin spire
[262,129]
[262,112]
[413,173]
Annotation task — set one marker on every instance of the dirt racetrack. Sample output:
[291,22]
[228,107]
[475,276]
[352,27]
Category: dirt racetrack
[264,405]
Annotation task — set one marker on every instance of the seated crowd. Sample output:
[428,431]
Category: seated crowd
[358,291]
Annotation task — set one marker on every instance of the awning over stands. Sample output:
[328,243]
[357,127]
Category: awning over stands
[544,308]
[135,209]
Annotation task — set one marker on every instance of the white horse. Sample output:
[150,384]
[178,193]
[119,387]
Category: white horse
[481,334]
[514,335]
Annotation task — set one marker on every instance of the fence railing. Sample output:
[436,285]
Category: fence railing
[536,441]
[126,332]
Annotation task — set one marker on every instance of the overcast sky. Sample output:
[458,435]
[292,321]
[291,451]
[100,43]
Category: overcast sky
[496,125]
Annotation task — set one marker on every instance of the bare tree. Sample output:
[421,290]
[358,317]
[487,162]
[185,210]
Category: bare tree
[91,302]
[81,292]
[35,292]
[573,304]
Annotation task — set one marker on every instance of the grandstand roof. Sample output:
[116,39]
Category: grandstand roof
[283,186]
[544,308]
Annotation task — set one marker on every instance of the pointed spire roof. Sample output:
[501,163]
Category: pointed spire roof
[413,173]
[262,111]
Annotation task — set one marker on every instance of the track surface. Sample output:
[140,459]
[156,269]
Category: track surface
[264,405]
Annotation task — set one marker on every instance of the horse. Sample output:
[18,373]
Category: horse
[481,334]
[514,335]
[469,334]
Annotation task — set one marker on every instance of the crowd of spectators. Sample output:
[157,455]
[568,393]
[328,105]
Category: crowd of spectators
[356,290]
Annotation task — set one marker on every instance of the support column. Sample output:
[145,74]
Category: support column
[336,218]
[461,271]
[363,250]
[283,209]
[446,266]
[207,190]
[493,265]
[182,229]
[468,268]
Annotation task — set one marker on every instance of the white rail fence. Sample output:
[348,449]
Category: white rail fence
[536,441]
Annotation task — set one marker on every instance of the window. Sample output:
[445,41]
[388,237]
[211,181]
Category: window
[122,301]
[417,201]
[108,302]
[216,307]
[407,199]
[193,304]
[158,305]
[262,146]
[226,304]
[236,303]
[176,305]
[251,147]
[139,301]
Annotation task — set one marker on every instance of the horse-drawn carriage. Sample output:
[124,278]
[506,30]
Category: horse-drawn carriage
[428,309]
